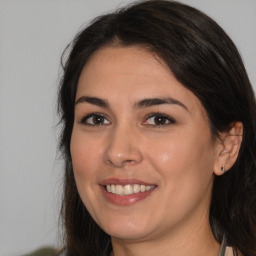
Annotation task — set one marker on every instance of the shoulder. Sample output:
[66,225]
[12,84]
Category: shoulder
[45,251]
[63,253]
[229,251]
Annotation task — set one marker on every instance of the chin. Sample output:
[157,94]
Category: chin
[129,228]
[126,234]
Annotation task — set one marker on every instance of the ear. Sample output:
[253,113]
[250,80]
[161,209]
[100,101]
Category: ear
[228,148]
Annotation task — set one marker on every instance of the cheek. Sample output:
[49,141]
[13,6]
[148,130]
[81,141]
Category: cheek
[183,155]
[84,154]
[85,159]
[185,166]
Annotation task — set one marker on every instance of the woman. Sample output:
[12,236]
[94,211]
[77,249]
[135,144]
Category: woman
[159,137]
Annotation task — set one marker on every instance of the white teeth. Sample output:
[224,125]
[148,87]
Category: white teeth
[119,190]
[113,189]
[149,187]
[136,188]
[128,189]
[142,188]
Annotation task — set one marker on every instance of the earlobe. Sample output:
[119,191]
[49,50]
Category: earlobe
[229,149]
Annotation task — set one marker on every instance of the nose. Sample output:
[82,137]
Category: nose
[122,148]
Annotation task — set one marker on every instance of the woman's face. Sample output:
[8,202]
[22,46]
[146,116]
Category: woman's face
[141,146]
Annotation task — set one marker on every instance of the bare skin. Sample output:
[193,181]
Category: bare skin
[136,125]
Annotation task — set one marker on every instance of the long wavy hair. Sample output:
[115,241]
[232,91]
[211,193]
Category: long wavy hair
[205,60]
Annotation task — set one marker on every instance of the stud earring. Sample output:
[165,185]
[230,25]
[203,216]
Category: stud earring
[223,168]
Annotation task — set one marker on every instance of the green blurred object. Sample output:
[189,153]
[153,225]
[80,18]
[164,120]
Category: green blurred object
[44,251]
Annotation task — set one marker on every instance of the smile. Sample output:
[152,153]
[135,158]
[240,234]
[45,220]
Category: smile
[128,189]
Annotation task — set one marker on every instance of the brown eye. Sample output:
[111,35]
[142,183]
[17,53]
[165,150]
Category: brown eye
[95,119]
[159,120]
[98,120]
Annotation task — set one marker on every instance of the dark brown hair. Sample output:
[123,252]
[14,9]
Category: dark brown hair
[205,60]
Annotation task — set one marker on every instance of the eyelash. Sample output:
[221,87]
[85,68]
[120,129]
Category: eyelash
[162,116]
[85,119]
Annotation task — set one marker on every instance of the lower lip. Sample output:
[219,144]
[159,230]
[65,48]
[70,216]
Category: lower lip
[125,200]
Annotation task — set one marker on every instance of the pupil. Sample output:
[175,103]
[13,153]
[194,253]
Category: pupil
[98,119]
[160,120]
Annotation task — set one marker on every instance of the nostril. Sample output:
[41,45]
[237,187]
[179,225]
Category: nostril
[121,163]
[128,162]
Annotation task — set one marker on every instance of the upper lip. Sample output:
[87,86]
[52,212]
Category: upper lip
[125,181]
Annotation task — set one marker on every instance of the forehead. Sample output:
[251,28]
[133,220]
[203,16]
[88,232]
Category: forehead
[129,74]
[134,62]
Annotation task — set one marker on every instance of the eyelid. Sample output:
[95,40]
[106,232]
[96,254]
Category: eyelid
[169,118]
[86,117]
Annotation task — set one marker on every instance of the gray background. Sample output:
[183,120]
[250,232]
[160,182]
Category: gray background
[33,34]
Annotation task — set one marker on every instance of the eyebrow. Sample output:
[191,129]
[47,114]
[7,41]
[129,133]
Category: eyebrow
[140,104]
[159,101]
[93,100]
